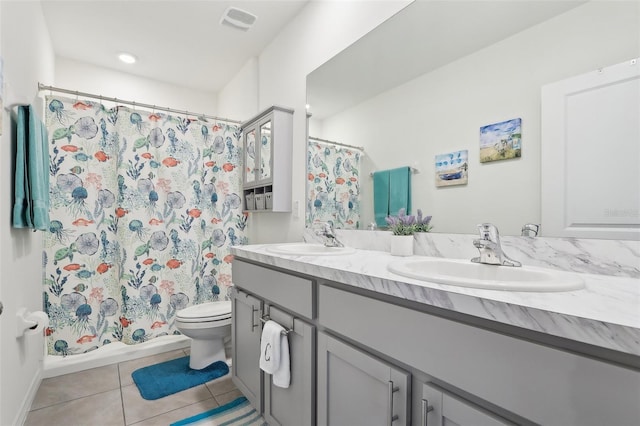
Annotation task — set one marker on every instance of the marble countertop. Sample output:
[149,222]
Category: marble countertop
[605,313]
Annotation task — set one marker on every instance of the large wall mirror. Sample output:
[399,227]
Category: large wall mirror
[425,82]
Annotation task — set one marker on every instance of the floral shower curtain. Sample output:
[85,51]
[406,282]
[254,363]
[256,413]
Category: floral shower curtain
[144,207]
[333,186]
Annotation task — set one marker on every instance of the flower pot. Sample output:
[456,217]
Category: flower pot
[402,245]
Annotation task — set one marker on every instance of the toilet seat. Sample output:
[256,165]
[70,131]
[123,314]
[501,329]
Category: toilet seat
[205,312]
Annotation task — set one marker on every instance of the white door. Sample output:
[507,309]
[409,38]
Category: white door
[590,156]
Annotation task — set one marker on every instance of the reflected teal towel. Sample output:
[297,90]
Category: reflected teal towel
[400,190]
[381,197]
[31,204]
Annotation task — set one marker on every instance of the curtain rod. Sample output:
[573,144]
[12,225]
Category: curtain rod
[336,143]
[134,104]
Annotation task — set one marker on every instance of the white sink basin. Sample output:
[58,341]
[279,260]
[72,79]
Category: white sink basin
[464,273]
[304,249]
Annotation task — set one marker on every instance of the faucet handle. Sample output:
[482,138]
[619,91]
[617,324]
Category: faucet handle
[530,230]
[488,231]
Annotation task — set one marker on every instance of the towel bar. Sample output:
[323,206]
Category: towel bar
[267,318]
[414,170]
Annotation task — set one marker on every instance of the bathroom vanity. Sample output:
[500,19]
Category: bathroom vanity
[371,347]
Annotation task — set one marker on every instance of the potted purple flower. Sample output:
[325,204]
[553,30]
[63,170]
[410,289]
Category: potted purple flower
[423,224]
[402,226]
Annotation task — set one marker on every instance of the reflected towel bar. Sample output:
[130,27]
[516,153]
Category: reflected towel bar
[414,170]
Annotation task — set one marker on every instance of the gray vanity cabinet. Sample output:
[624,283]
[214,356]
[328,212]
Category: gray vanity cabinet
[439,408]
[356,388]
[245,336]
[294,405]
[286,299]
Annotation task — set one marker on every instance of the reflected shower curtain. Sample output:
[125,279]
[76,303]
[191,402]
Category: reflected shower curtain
[333,185]
[144,207]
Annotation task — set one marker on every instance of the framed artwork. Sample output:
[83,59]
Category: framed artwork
[452,168]
[501,141]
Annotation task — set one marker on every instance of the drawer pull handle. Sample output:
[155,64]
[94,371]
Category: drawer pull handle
[426,409]
[390,416]
[253,315]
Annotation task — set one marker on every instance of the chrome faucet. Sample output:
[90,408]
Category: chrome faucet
[490,249]
[530,230]
[329,236]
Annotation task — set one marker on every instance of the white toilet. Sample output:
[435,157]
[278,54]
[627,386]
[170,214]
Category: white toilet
[207,324]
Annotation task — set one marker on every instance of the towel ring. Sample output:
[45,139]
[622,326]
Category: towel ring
[266,318]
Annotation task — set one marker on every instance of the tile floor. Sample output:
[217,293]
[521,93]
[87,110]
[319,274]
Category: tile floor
[107,396]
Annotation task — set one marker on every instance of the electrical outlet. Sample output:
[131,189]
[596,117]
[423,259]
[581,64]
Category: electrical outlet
[296,209]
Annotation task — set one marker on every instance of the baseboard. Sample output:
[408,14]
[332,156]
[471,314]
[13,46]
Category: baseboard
[25,407]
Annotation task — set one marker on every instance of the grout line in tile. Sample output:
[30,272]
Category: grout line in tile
[164,414]
[75,399]
[124,417]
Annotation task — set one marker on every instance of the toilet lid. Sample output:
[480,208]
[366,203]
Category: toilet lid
[206,310]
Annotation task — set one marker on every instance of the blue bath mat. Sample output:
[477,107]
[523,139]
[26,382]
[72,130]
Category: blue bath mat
[166,378]
[236,413]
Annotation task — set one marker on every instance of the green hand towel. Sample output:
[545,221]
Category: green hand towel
[400,190]
[31,191]
[381,197]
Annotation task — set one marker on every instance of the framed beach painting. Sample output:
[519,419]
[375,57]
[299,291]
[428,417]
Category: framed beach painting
[501,141]
[452,168]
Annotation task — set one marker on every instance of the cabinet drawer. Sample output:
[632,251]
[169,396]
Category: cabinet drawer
[293,293]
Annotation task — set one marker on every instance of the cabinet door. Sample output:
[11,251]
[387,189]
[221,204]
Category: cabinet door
[442,409]
[355,388]
[245,334]
[293,406]
[265,171]
[251,155]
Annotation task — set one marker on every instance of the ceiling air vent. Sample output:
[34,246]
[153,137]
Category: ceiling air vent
[238,18]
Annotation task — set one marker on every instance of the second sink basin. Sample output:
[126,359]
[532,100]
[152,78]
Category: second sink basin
[304,249]
[464,273]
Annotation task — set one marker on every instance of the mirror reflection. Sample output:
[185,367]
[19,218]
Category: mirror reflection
[427,80]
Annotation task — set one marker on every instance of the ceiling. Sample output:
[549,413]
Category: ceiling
[176,41]
[422,37]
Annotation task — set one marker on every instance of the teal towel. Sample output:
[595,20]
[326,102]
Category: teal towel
[381,197]
[31,191]
[400,190]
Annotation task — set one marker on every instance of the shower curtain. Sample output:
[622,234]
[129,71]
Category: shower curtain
[333,186]
[144,207]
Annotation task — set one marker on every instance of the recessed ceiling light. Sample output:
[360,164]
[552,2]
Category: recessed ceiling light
[127,58]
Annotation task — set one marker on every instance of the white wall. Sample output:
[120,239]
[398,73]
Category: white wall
[239,98]
[74,75]
[442,112]
[28,58]
[321,30]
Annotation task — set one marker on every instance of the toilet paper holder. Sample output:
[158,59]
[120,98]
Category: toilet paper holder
[30,322]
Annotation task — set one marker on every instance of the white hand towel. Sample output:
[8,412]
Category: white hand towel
[270,347]
[282,376]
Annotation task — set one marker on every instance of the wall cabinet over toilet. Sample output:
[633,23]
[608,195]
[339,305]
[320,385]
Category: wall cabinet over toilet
[268,142]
